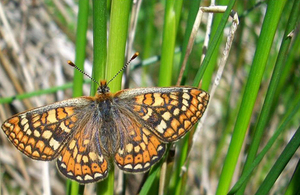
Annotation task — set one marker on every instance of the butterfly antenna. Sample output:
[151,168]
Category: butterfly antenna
[76,67]
[124,67]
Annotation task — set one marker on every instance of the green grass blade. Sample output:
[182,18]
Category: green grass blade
[117,41]
[168,45]
[258,66]
[287,119]
[279,165]
[279,66]
[115,60]
[100,41]
[294,186]
[82,24]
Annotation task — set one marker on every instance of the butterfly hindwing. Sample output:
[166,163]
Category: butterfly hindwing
[82,159]
[139,148]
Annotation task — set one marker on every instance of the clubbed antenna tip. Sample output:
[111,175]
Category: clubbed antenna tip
[74,66]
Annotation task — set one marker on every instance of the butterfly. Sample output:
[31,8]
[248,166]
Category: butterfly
[84,134]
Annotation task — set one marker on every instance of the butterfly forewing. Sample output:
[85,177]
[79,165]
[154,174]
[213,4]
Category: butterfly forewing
[168,112]
[42,132]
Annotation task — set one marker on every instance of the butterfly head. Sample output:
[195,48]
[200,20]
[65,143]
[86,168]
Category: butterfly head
[103,88]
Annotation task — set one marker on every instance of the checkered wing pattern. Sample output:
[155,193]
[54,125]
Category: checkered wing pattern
[139,148]
[82,159]
[169,113]
[41,133]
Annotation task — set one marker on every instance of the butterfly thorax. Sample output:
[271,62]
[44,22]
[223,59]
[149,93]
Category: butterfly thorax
[109,135]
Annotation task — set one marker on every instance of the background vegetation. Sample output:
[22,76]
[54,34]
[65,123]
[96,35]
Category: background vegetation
[248,142]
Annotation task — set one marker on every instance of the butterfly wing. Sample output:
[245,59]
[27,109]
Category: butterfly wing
[82,159]
[41,133]
[168,112]
[139,148]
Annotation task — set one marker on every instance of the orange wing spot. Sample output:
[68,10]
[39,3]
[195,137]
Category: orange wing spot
[31,141]
[138,159]
[35,118]
[169,132]
[139,99]
[61,114]
[154,141]
[77,169]
[138,136]
[48,151]
[71,164]
[14,120]
[28,149]
[182,118]
[128,159]
[193,108]
[201,107]
[198,114]
[195,92]
[174,96]
[148,99]
[119,159]
[21,146]
[103,166]
[12,136]
[36,154]
[189,114]
[67,122]
[146,156]
[40,145]
[36,124]
[73,119]
[166,98]
[175,124]
[24,139]
[152,150]
[194,119]
[160,110]
[86,170]
[187,124]
[20,135]
[174,102]
[17,129]
[95,168]
[194,102]
[82,149]
[69,110]
[181,131]
[44,118]
[137,108]
[16,142]
[66,156]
